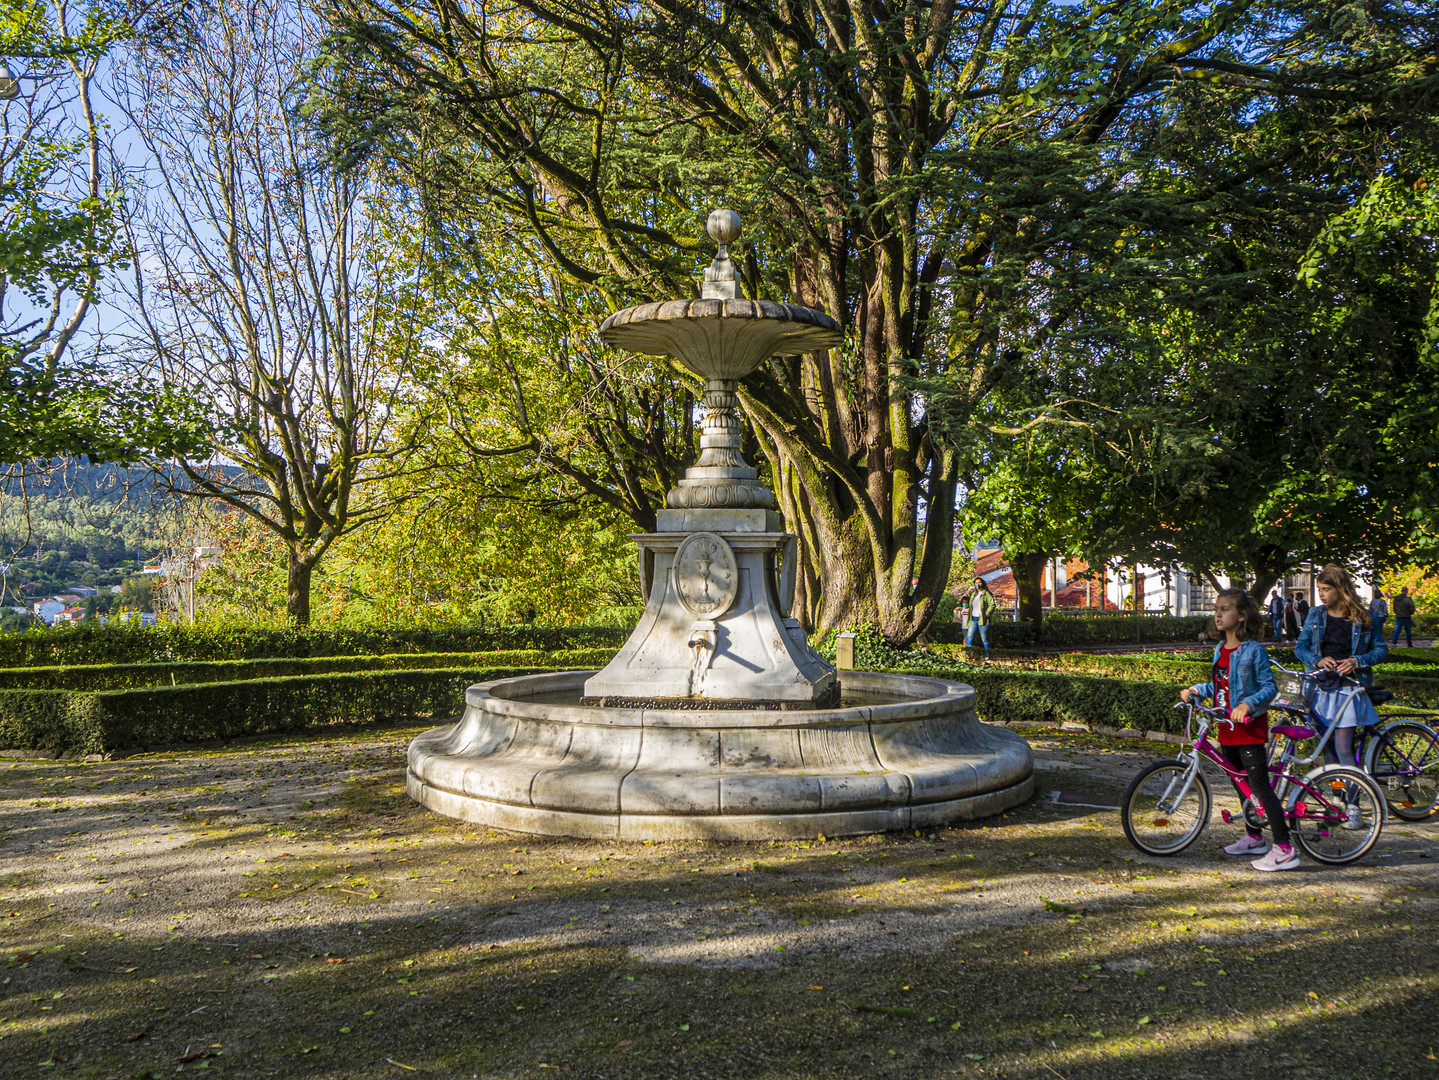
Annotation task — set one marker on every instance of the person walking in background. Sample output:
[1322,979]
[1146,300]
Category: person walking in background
[1301,608]
[1291,617]
[1404,617]
[981,612]
[1276,613]
[1378,611]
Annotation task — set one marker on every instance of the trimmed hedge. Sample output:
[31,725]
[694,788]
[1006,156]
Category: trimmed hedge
[96,677]
[1416,689]
[1031,696]
[1134,666]
[1018,696]
[1068,630]
[1420,655]
[170,642]
[70,722]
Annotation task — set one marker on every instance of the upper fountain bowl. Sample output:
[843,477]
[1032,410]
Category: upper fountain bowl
[721,339]
[722,336]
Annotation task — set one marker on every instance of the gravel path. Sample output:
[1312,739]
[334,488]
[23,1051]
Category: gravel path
[279,908]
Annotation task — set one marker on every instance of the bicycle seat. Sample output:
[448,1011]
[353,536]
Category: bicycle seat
[1293,731]
[1378,695]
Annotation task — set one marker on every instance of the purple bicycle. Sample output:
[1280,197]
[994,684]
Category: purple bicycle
[1401,754]
[1168,804]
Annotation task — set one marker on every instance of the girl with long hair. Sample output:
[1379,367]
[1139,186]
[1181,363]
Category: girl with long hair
[1241,684]
[1339,638]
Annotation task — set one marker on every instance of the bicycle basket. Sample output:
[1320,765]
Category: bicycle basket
[1296,693]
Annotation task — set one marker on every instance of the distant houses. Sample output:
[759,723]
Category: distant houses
[174,572]
[59,610]
[46,610]
[1075,586]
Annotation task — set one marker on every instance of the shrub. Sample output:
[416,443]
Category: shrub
[70,722]
[85,644]
[1419,655]
[1030,696]
[1040,696]
[133,676]
[1091,630]
[1141,666]
[1413,687]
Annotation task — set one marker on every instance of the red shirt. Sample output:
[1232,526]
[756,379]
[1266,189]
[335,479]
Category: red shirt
[1249,732]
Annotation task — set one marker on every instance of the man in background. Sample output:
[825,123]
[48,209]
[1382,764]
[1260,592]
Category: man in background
[1404,617]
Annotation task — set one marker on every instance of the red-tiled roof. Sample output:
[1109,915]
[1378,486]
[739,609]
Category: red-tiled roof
[991,565]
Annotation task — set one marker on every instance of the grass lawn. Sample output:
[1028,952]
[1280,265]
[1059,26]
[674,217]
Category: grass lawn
[280,909]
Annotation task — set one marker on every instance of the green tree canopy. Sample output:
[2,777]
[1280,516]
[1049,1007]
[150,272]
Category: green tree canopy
[58,236]
[963,187]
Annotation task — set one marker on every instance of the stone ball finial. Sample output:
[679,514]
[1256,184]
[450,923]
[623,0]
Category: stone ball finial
[724,226]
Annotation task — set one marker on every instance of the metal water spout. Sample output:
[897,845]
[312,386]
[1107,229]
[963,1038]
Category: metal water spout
[703,642]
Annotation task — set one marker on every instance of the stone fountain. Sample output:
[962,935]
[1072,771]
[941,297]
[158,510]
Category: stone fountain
[716,720]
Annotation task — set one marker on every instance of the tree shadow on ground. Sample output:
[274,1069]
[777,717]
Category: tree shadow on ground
[1032,945]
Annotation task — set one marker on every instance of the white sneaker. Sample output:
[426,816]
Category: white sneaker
[1354,819]
[1278,858]
[1248,845]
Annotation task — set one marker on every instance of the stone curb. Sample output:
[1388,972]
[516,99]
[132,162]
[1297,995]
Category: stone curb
[1092,729]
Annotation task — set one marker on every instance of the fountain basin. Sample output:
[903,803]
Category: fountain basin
[721,339]
[901,752]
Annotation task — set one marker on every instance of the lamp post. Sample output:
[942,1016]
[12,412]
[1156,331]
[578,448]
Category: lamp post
[9,83]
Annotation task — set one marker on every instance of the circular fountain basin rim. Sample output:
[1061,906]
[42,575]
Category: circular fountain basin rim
[671,310]
[917,697]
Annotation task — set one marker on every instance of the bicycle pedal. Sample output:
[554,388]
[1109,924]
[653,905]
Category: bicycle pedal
[1227,816]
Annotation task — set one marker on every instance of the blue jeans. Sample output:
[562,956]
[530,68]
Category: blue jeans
[1278,621]
[978,630]
[1406,625]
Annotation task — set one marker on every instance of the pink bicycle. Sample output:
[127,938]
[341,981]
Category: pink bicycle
[1167,805]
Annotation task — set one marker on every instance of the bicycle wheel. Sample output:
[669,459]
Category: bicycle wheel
[1321,809]
[1404,761]
[1157,819]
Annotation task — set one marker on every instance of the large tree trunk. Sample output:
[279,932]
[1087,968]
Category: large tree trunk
[1028,569]
[1267,568]
[297,593]
[858,565]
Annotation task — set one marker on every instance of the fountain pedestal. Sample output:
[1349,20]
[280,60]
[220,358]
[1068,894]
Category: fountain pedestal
[717,630]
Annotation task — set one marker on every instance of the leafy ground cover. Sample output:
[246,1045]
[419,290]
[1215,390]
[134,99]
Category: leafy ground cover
[280,908]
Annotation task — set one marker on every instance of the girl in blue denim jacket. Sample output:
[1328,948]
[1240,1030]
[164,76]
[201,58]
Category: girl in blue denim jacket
[1242,685]
[1340,638]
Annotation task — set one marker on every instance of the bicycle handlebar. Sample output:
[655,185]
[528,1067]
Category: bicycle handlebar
[1208,710]
[1352,679]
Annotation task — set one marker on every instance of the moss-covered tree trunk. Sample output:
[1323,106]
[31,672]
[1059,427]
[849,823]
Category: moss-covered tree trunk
[297,590]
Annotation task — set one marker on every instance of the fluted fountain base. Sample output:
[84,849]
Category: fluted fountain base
[901,752]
